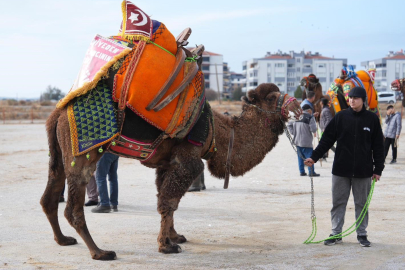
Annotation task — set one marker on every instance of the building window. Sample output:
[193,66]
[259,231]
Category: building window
[206,77]
[298,60]
[384,73]
[290,74]
[206,58]
[269,78]
[254,73]
[205,68]
[268,65]
[321,66]
[207,85]
[279,65]
[290,65]
[280,85]
[253,84]
[244,67]
[298,69]
[307,66]
[290,84]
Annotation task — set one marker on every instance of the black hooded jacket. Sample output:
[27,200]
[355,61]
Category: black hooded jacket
[360,146]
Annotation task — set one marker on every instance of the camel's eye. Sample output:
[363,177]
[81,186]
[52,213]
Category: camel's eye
[270,99]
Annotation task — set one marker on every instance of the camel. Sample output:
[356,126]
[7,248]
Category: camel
[311,83]
[399,85]
[177,164]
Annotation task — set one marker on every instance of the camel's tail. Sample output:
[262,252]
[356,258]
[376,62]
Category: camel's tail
[54,149]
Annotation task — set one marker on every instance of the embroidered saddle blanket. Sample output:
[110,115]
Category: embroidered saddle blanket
[92,119]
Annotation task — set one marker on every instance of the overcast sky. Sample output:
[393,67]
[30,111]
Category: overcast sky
[43,42]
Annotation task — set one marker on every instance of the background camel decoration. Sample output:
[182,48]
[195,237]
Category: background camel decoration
[399,85]
[177,163]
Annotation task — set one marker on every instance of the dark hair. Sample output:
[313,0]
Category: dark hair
[306,107]
[390,107]
[325,102]
[310,94]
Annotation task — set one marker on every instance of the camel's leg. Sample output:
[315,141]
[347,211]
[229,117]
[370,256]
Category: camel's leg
[75,215]
[56,181]
[172,184]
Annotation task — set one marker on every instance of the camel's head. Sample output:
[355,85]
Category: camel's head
[270,101]
[399,85]
[309,83]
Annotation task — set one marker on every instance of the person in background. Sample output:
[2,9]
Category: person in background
[325,118]
[392,132]
[309,101]
[107,165]
[303,131]
[92,192]
[359,158]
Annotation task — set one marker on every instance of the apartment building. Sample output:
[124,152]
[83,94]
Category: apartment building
[388,68]
[213,69]
[287,69]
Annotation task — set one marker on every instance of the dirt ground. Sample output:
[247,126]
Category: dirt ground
[260,222]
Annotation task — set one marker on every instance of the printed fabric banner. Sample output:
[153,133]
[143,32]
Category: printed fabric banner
[101,51]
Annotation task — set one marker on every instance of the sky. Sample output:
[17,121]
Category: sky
[43,42]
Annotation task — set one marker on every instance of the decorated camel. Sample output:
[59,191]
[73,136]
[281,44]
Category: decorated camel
[152,109]
[338,92]
[399,85]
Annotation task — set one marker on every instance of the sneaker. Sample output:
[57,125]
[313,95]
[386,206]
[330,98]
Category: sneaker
[331,242]
[101,209]
[61,199]
[363,241]
[314,174]
[303,174]
[393,161]
[91,203]
[114,208]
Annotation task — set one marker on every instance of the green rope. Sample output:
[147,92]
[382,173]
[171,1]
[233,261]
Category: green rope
[344,233]
[191,59]
[149,41]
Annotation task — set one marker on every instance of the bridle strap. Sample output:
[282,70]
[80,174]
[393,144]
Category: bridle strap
[228,159]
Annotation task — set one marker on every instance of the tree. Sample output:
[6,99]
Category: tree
[52,93]
[298,92]
[237,94]
[210,94]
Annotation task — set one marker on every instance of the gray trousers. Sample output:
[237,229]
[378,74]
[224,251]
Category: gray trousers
[340,195]
[92,192]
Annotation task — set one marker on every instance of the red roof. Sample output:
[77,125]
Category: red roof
[210,53]
[398,56]
[278,57]
[316,57]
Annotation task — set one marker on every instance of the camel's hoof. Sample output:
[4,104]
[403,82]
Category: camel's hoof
[179,239]
[66,241]
[170,249]
[105,256]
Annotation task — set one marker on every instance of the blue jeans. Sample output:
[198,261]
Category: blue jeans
[107,165]
[306,152]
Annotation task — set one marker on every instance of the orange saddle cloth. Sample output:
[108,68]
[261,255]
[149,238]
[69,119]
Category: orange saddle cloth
[153,69]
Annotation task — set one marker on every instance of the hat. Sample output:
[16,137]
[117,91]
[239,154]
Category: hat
[136,25]
[358,92]
[306,107]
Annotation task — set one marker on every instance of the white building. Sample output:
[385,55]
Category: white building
[213,69]
[286,70]
[388,69]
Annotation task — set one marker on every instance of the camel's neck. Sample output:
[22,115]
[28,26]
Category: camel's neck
[255,135]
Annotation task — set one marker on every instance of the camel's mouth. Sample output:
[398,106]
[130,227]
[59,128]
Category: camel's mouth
[396,85]
[292,109]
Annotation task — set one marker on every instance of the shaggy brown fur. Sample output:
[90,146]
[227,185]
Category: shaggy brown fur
[177,165]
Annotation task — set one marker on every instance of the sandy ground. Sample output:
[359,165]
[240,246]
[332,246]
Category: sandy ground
[260,222]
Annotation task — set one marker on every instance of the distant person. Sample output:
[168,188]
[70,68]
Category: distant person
[325,118]
[303,131]
[359,158]
[107,165]
[392,132]
[198,184]
[309,101]
[92,192]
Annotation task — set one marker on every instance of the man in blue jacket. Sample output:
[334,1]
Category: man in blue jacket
[359,158]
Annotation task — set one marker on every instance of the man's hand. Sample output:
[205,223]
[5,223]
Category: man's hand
[309,162]
[397,136]
[376,176]
[316,114]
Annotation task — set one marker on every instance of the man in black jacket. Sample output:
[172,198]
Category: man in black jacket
[359,156]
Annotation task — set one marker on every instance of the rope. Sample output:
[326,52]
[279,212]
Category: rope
[345,233]
[149,41]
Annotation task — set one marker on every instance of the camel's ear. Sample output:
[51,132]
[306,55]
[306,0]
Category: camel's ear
[252,96]
[245,99]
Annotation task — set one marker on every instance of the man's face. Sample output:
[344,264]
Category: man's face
[311,99]
[356,103]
